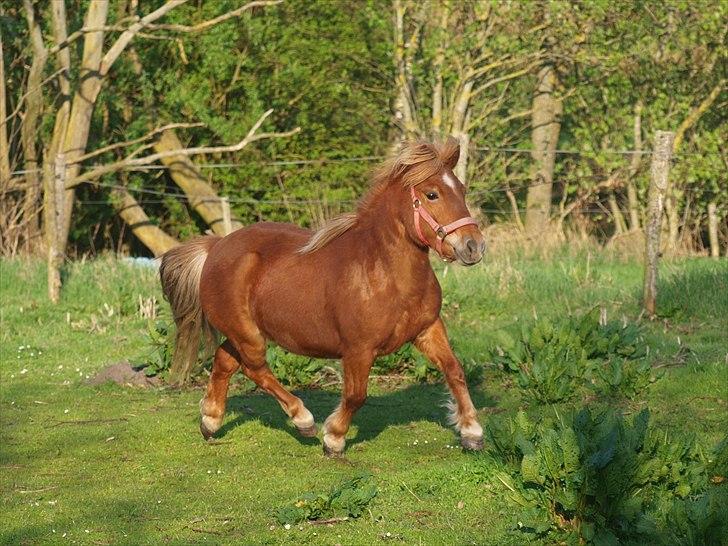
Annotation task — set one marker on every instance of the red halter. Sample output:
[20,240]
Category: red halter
[440,231]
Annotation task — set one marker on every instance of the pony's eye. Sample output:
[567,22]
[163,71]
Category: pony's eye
[431,195]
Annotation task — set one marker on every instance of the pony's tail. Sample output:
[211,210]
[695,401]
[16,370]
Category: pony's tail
[180,273]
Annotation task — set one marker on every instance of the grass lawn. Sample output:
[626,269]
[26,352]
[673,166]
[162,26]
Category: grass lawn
[103,465]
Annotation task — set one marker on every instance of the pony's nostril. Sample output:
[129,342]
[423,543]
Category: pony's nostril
[472,246]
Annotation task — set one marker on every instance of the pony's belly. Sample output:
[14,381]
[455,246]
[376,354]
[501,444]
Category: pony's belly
[297,322]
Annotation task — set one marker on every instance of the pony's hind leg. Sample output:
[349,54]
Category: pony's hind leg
[252,357]
[212,406]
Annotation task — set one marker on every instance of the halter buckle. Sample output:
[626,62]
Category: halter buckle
[441,234]
[416,203]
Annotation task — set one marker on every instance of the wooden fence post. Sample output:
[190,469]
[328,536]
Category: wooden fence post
[226,221]
[659,170]
[54,218]
[713,229]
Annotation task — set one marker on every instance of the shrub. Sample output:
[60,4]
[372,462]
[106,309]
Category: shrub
[409,362]
[292,370]
[347,499]
[600,478]
[157,357]
[554,360]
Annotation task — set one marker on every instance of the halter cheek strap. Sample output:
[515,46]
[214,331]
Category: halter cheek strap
[440,231]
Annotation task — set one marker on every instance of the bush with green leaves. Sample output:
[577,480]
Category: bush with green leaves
[553,360]
[347,499]
[157,358]
[409,362]
[600,478]
[294,370]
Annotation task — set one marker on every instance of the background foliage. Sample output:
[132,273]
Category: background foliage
[329,68]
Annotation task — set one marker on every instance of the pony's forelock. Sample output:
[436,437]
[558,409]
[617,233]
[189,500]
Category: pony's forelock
[417,161]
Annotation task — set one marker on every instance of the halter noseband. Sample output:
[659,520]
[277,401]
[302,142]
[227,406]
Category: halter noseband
[440,231]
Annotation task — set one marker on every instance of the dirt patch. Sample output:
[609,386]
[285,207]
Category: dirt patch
[124,374]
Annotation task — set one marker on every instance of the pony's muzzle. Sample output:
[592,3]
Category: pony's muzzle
[469,250]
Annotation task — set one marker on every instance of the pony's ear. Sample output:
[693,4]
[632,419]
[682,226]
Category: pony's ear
[450,152]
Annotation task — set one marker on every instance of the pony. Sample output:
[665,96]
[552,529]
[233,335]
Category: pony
[358,288]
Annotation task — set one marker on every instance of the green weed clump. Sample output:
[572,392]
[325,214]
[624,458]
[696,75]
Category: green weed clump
[292,370]
[160,348]
[599,478]
[554,360]
[409,362]
[348,499]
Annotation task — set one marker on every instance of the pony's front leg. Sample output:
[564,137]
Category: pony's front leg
[356,376]
[433,343]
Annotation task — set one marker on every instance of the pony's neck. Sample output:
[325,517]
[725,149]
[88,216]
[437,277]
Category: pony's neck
[381,228]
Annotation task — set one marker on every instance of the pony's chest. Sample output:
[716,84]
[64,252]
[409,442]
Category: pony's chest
[408,316]
[386,307]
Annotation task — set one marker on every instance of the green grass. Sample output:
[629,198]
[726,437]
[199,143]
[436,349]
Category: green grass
[121,465]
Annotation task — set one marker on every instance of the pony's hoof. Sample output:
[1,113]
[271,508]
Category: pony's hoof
[330,453]
[308,432]
[206,432]
[472,444]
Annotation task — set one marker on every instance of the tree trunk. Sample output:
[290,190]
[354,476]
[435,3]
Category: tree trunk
[439,60]
[620,226]
[634,166]
[404,113]
[134,216]
[546,124]
[29,131]
[675,193]
[84,100]
[202,197]
[460,119]
[4,148]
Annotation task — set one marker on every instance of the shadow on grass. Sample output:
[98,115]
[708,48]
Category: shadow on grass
[413,403]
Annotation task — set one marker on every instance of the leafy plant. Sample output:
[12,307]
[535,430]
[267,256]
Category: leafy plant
[601,478]
[409,362]
[554,359]
[294,370]
[347,499]
[158,359]
[620,376]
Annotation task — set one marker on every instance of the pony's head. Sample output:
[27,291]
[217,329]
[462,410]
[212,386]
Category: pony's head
[432,204]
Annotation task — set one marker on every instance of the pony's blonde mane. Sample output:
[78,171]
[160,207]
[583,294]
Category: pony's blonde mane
[415,163]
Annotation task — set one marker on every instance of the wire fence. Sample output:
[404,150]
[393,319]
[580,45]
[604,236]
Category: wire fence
[324,160]
[162,197]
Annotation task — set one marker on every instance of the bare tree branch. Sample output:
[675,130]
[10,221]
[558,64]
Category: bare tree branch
[67,41]
[148,160]
[212,22]
[122,41]
[127,143]
[696,113]
[506,77]
[29,92]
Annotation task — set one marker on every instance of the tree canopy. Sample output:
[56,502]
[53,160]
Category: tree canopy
[356,76]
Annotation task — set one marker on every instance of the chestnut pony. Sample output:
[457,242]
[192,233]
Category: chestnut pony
[360,287]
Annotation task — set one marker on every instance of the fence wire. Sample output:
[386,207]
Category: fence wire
[324,161]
